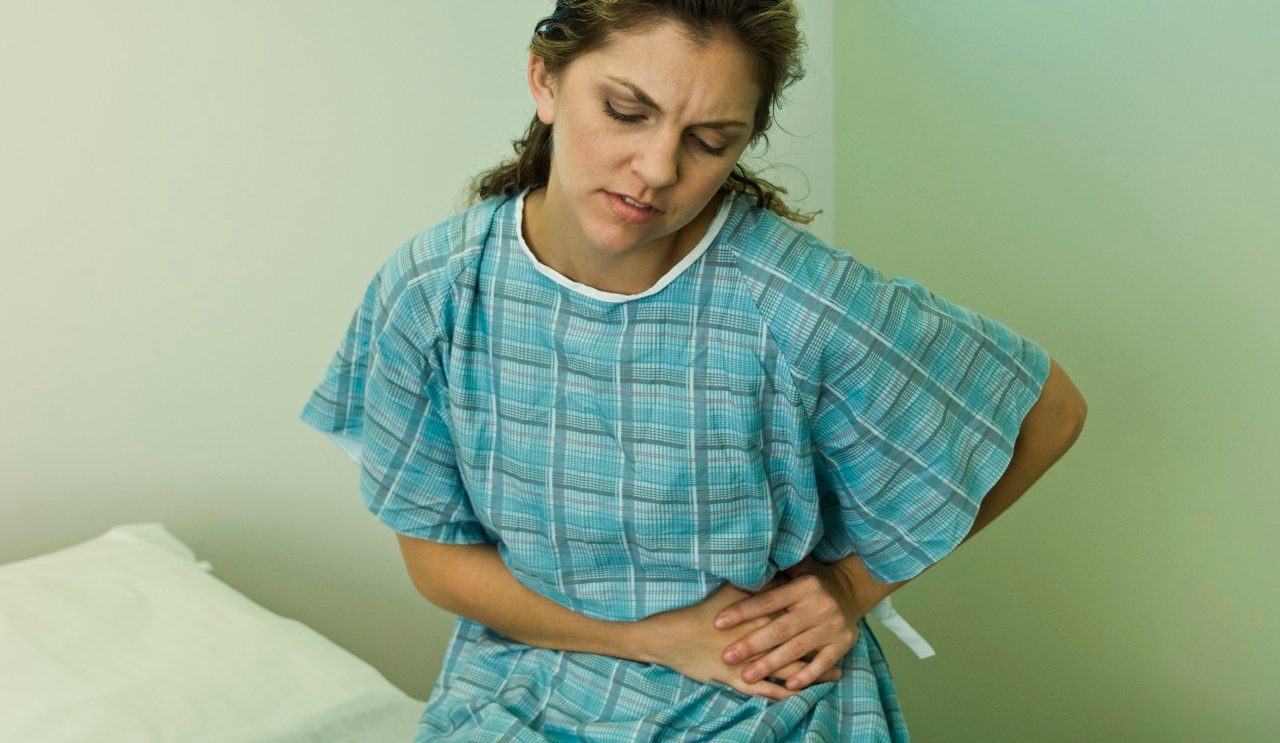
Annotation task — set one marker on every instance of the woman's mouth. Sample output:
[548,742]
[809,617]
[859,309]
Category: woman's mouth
[628,212]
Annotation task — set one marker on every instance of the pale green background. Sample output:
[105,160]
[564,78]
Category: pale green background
[195,195]
[1102,176]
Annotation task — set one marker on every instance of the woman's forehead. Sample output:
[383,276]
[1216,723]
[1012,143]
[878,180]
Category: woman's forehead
[663,62]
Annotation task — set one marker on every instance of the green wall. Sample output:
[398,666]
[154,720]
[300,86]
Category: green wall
[1102,177]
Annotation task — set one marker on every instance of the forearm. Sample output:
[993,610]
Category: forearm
[1049,430]
[479,586]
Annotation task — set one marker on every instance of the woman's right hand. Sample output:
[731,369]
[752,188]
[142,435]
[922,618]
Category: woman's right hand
[687,641]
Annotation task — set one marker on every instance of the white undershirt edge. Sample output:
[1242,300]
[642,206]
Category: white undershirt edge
[721,215]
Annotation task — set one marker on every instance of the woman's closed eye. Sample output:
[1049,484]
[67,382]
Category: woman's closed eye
[631,119]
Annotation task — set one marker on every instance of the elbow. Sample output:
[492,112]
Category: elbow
[1076,420]
[1060,412]
[1072,412]
[426,589]
[419,557]
[1074,409]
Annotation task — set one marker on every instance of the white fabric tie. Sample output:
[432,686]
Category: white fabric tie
[893,622]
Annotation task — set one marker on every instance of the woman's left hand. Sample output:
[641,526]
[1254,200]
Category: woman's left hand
[822,611]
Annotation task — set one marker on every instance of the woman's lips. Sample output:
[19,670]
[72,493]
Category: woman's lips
[628,213]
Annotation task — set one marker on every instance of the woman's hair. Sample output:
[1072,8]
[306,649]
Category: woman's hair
[768,29]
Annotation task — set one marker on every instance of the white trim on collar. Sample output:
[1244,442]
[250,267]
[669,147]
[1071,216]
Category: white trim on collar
[714,229]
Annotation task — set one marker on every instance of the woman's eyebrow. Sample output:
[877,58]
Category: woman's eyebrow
[644,98]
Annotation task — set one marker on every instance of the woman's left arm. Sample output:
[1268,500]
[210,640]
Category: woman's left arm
[823,603]
[1050,428]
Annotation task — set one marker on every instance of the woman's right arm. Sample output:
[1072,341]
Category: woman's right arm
[472,581]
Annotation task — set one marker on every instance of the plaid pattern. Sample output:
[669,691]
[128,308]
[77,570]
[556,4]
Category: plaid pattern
[775,398]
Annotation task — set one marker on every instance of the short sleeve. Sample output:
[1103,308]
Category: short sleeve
[919,402]
[384,401]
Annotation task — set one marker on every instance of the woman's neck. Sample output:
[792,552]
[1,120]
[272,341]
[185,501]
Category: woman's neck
[628,274]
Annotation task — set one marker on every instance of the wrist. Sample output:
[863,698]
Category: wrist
[642,636]
[866,590]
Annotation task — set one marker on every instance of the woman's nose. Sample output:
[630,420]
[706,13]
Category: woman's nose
[658,162]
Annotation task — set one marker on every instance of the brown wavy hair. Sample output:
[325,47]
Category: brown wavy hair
[768,28]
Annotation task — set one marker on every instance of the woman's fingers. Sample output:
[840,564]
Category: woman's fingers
[766,634]
[762,604]
[762,639]
[780,677]
[791,650]
[821,666]
[785,673]
[777,692]
[767,689]
[773,686]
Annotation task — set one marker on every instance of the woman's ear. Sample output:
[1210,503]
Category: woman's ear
[542,86]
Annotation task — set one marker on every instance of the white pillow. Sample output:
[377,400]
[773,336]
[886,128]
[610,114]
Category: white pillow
[126,637]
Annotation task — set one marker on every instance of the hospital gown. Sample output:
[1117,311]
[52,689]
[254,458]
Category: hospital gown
[769,398]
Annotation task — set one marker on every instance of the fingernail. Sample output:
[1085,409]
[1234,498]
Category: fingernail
[732,656]
[752,674]
[722,621]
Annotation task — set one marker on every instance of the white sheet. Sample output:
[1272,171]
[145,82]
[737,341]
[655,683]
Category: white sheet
[126,637]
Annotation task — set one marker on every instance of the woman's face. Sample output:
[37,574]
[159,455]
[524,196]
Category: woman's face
[675,151]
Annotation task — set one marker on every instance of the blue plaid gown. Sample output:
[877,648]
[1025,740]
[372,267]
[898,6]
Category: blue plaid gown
[769,398]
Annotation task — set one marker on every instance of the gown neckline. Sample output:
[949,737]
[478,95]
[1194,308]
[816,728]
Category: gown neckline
[689,259]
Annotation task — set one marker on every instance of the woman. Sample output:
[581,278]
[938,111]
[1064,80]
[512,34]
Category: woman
[622,395]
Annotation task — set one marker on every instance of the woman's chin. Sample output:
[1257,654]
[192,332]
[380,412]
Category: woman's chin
[617,237]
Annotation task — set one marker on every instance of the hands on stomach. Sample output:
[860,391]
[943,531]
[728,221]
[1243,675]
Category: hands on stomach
[795,630]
